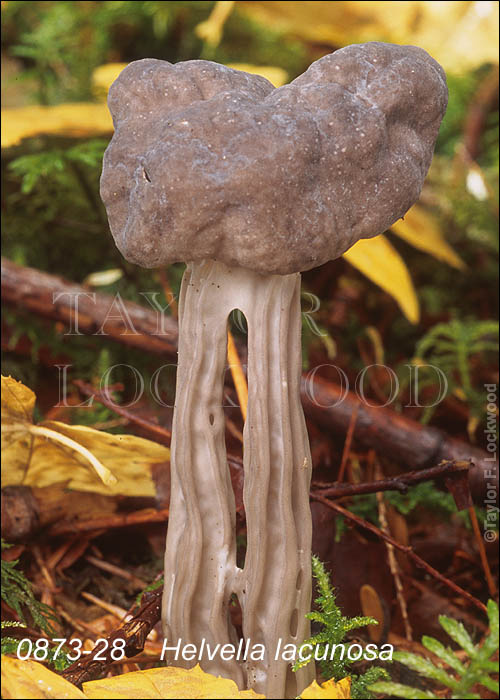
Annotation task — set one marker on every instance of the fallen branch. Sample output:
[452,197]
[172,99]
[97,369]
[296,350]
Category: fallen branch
[54,298]
[411,444]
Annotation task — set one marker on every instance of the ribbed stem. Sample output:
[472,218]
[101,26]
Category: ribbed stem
[274,588]
[277,461]
[200,557]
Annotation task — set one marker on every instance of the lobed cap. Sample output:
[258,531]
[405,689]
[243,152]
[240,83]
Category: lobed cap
[208,162]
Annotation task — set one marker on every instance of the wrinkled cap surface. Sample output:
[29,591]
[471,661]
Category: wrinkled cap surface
[208,162]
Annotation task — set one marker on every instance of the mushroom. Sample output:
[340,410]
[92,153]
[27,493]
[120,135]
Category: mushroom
[251,185]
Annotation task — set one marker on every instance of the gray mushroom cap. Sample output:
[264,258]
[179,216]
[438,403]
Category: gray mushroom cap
[208,162]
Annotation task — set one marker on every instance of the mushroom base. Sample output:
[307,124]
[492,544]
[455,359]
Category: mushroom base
[201,575]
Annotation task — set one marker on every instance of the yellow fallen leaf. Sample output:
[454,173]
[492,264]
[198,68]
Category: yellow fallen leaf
[17,405]
[276,75]
[104,76]
[53,453]
[330,689]
[166,682]
[372,607]
[420,230]
[378,260]
[470,39]
[20,433]
[72,119]
[17,400]
[29,679]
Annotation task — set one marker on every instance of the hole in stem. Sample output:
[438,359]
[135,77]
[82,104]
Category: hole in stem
[298,584]
[294,621]
[211,418]
[237,352]
[291,683]
[236,614]
[235,410]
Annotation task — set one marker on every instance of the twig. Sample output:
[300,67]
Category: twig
[407,442]
[116,570]
[75,624]
[393,564]
[448,607]
[157,432]
[43,569]
[397,483]
[348,441]
[59,553]
[114,610]
[136,518]
[134,632]
[482,552]
[403,548]
[80,544]
[120,613]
